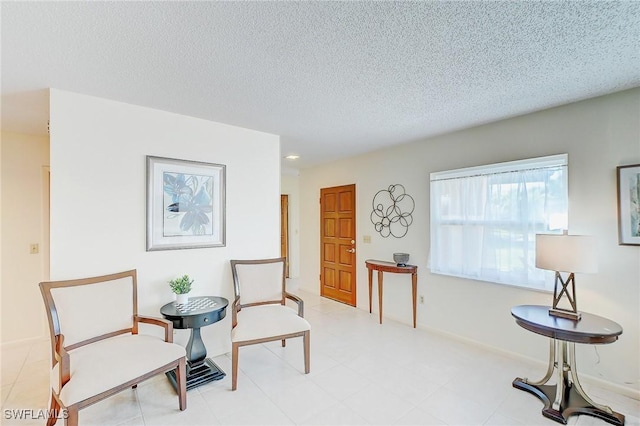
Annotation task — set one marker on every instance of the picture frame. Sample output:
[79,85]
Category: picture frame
[185,204]
[628,183]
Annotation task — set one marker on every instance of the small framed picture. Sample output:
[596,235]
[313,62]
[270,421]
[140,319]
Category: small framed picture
[185,204]
[629,204]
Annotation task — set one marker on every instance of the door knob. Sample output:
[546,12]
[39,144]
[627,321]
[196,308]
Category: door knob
[351,250]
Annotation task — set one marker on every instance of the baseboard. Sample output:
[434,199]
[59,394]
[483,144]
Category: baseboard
[27,341]
[584,378]
[614,387]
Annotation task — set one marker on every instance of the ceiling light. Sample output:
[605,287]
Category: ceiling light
[292,157]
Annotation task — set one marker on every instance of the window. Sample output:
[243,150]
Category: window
[484,219]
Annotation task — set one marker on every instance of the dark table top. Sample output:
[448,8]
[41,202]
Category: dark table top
[196,306]
[381,265]
[590,329]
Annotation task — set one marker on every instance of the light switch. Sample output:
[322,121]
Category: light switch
[366,239]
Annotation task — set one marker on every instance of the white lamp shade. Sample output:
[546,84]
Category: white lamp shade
[566,253]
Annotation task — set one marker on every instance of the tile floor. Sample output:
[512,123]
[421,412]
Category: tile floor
[362,373]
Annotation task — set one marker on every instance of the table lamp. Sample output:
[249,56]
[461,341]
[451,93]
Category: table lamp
[566,253]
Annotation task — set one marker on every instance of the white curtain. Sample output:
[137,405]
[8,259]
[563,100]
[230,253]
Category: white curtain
[483,223]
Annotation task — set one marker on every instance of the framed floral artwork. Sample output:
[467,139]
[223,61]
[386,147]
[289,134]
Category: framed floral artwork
[628,178]
[185,204]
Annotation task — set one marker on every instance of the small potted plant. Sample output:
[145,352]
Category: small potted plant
[181,287]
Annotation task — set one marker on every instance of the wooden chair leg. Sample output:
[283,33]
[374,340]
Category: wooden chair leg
[234,366]
[72,416]
[54,411]
[181,380]
[307,346]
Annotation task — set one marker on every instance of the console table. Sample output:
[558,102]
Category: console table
[381,267]
[566,397]
[199,312]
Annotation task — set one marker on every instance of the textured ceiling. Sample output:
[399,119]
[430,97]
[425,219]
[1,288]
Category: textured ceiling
[334,79]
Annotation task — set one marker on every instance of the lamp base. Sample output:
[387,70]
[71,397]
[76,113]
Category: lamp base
[555,311]
[563,313]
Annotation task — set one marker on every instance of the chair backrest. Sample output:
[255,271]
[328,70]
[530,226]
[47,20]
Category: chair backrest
[259,281]
[90,309]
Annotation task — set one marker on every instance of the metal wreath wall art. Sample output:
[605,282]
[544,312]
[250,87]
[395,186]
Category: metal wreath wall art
[392,211]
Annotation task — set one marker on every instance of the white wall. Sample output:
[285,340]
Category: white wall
[98,150]
[24,161]
[598,135]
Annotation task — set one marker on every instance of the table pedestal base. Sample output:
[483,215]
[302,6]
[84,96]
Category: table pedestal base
[566,397]
[572,403]
[199,374]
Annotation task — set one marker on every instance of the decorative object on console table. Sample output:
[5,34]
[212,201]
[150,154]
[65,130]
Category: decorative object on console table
[401,259]
[392,211]
[185,204]
[628,178]
[199,312]
[566,253]
[181,287]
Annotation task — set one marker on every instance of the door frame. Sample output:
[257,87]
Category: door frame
[284,231]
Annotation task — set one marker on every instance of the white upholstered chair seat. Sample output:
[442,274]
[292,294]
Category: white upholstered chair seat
[96,350]
[105,364]
[259,322]
[259,311]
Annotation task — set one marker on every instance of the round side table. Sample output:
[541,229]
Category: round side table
[198,312]
[566,397]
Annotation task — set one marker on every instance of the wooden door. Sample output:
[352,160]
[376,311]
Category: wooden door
[338,243]
[284,231]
